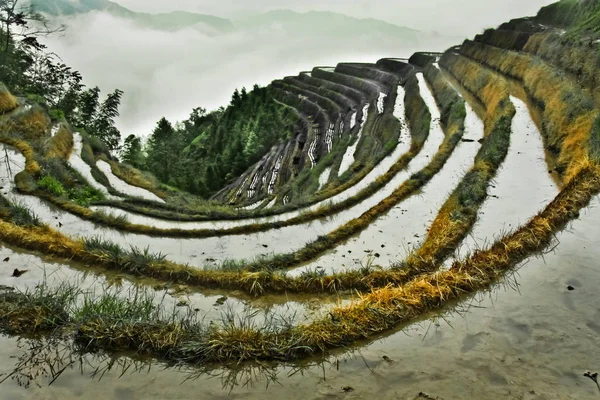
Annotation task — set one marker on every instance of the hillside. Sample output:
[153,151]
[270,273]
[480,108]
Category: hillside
[320,22]
[347,204]
[172,21]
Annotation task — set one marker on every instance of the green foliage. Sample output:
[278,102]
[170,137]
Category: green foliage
[140,259]
[98,119]
[595,141]
[98,245]
[56,114]
[52,186]
[23,216]
[110,218]
[132,153]
[85,195]
[29,69]
[135,259]
[114,307]
[202,154]
[566,13]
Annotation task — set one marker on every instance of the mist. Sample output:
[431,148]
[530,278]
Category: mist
[169,73]
[450,17]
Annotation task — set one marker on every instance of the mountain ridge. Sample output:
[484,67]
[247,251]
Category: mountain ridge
[178,19]
[171,21]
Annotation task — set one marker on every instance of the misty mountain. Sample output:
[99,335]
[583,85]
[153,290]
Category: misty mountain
[172,21]
[314,23]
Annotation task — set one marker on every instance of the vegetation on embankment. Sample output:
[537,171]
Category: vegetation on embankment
[369,88]
[368,71]
[357,96]
[344,102]
[571,123]
[579,16]
[61,144]
[28,183]
[8,102]
[51,178]
[136,324]
[31,124]
[135,177]
[331,108]
[578,56]
[459,213]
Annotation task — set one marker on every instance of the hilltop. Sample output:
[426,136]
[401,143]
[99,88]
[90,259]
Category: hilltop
[166,21]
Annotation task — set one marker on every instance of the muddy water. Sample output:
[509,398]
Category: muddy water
[402,147]
[80,166]
[348,158]
[392,236]
[522,186]
[324,177]
[124,187]
[210,307]
[11,163]
[533,343]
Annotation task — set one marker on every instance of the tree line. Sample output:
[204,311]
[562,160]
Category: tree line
[30,70]
[208,150]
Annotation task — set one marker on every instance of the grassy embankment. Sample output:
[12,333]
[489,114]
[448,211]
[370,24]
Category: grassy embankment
[571,126]
[8,102]
[459,213]
[112,324]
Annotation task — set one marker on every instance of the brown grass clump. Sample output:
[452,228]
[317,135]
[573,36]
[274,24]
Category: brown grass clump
[8,102]
[32,125]
[61,144]
[31,165]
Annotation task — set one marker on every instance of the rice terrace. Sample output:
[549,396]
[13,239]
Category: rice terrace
[422,226]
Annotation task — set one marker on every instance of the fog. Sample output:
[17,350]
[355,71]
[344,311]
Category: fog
[169,73]
[461,17]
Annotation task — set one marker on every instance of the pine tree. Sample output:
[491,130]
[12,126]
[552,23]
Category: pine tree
[104,123]
[132,151]
[87,107]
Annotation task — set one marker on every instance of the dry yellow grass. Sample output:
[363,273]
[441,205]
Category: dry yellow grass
[31,165]
[569,114]
[33,125]
[61,144]
[8,102]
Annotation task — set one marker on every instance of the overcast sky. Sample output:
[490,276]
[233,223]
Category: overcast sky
[463,17]
[169,73]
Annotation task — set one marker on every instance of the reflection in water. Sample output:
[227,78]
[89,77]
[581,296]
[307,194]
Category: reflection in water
[41,362]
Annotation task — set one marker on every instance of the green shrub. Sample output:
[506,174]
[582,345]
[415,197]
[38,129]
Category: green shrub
[37,99]
[52,186]
[56,114]
[23,216]
[85,195]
